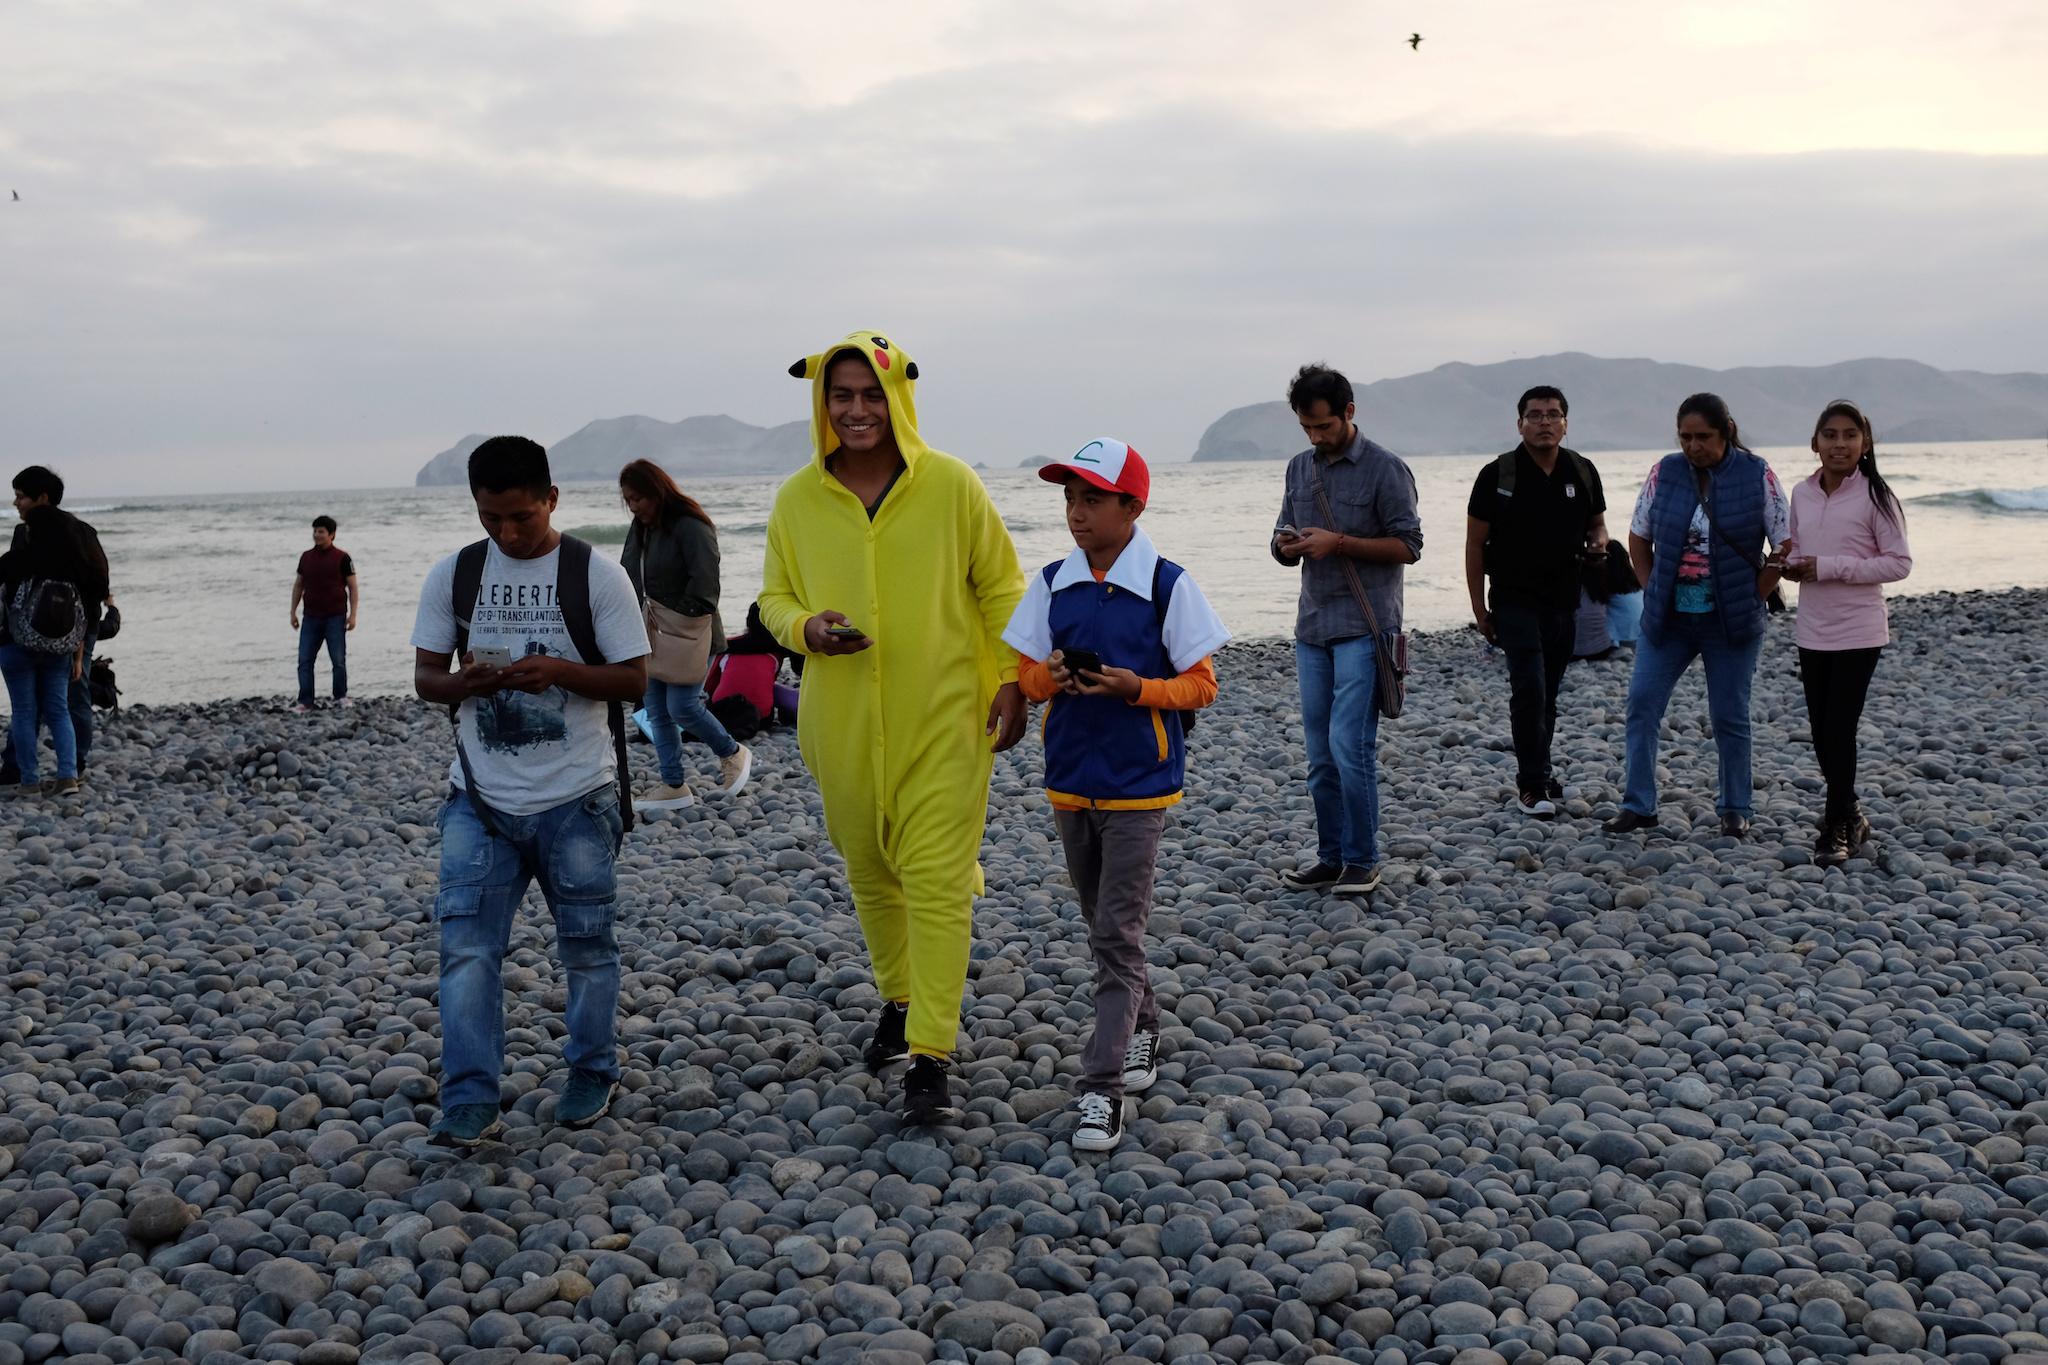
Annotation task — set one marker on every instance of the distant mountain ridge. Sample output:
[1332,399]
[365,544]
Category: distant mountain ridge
[1630,405]
[695,445]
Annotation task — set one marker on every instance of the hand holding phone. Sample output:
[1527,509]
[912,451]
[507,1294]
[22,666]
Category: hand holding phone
[490,656]
[1077,661]
[831,633]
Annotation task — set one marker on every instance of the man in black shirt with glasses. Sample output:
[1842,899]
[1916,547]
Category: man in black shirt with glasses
[1536,514]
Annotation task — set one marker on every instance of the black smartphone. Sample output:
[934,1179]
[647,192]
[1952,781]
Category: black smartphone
[1081,660]
[847,633]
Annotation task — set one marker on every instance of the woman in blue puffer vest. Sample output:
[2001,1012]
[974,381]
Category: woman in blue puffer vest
[1696,542]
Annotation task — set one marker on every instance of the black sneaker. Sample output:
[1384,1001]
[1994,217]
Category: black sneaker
[1102,1124]
[927,1096]
[1858,831]
[1355,881]
[1535,805]
[1314,879]
[1554,789]
[1832,849]
[1734,824]
[1628,822]
[888,1046]
[1141,1061]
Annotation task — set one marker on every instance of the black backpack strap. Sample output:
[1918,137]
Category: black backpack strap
[1504,473]
[1159,608]
[469,581]
[572,595]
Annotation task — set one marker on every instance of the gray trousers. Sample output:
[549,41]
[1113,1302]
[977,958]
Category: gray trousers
[1111,856]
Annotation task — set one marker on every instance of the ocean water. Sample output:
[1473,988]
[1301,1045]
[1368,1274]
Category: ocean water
[204,581]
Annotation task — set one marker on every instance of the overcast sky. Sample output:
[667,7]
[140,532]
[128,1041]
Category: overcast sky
[309,245]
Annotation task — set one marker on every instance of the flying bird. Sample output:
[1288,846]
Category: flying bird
[1415,42]
[16,194]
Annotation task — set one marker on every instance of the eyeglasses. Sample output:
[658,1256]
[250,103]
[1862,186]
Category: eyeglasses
[1541,418]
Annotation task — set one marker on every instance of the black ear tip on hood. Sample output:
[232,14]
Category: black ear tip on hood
[910,370]
[796,371]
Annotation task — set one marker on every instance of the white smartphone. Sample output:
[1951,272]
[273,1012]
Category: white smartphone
[491,655]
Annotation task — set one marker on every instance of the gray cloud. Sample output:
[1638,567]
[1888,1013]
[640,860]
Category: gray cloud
[326,258]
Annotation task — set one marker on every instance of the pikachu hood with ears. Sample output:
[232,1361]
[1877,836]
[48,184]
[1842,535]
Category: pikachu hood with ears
[898,373]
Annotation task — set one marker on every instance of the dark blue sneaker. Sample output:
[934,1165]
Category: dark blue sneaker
[466,1125]
[585,1097]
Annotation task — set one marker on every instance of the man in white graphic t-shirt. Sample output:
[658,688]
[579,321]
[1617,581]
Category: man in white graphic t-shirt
[534,794]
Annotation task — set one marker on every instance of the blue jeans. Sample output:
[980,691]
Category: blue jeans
[38,692]
[1341,729]
[313,632]
[80,711]
[1659,664]
[673,705]
[570,850]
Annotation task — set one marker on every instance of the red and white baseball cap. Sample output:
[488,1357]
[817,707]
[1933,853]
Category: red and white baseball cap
[1107,463]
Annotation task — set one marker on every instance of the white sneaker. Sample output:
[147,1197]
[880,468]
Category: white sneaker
[1102,1124]
[1535,805]
[1141,1061]
[302,709]
[734,771]
[661,796]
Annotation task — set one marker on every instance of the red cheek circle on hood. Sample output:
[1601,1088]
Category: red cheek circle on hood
[882,359]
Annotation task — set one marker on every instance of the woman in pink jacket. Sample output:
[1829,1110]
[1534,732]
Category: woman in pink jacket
[1848,539]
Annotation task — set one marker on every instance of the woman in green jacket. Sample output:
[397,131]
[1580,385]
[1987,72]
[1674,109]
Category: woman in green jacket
[671,555]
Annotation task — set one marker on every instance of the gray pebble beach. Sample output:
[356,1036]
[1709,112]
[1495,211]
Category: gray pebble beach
[1548,1095]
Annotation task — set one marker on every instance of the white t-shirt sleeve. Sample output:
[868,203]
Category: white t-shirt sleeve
[1193,629]
[615,612]
[1639,520]
[1777,509]
[433,629]
[1030,628]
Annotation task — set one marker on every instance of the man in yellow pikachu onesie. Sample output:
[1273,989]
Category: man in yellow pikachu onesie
[889,568]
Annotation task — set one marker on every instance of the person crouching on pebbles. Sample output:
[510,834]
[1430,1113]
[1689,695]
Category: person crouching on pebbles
[1116,642]
[548,634]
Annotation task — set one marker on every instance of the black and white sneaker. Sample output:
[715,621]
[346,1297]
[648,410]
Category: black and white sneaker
[1535,805]
[1141,1061]
[887,1046]
[927,1096]
[1102,1124]
[1311,879]
[1355,881]
[1554,789]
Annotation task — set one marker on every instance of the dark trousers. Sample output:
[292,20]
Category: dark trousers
[1837,680]
[80,699]
[315,631]
[1111,855]
[1538,643]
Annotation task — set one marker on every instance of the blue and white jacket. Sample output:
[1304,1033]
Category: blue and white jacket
[1146,615]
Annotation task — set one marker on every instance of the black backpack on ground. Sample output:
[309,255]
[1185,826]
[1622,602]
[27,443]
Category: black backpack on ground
[100,685]
[572,595]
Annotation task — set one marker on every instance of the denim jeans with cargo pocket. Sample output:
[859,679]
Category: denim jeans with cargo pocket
[570,850]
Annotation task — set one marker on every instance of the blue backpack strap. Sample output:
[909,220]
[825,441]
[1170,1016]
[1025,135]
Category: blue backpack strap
[1051,571]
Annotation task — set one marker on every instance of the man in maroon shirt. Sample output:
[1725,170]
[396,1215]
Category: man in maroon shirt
[326,584]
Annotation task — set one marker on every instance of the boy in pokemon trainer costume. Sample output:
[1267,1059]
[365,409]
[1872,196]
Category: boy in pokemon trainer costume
[890,570]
